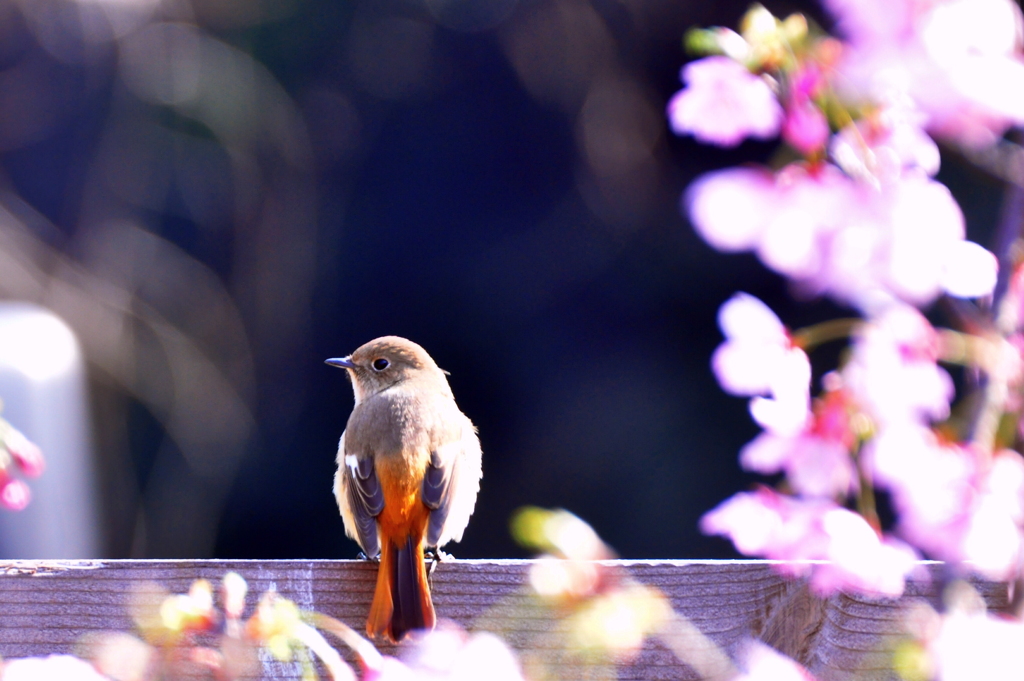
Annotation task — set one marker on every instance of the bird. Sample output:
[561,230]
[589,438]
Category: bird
[409,470]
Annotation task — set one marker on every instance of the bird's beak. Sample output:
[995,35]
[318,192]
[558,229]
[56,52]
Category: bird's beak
[341,362]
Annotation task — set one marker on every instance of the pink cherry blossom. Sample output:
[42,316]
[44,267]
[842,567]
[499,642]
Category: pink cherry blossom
[835,547]
[760,662]
[14,494]
[51,668]
[857,558]
[450,654]
[976,645]
[805,127]
[728,207]
[786,410]
[924,226]
[880,148]
[723,103]
[969,271]
[896,241]
[758,358]
[814,466]
[783,217]
[810,205]
[755,340]
[27,455]
[835,236]
[764,523]
[951,503]
[959,60]
[892,372]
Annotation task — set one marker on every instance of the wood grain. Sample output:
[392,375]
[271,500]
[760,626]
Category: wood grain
[46,606]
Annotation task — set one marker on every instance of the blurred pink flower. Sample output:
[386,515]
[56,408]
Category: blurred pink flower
[26,454]
[904,240]
[814,466]
[970,271]
[809,204]
[816,460]
[232,593]
[758,358]
[52,668]
[787,410]
[881,147]
[805,128]
[976,645]
[450,654]
[892,372]
[760,662]
[926,238]
[857,558]
[952,502]
[755,339]
[959,60]
[783,217]
[723,103]
[728,207]
[835,547]
[850,240]
[14,494]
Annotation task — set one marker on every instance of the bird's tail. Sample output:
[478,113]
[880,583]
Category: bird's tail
[401,600]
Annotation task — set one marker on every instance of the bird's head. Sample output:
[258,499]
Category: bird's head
[388,361]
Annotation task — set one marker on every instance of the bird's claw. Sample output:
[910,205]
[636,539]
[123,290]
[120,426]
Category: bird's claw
[435,556]
[362,556]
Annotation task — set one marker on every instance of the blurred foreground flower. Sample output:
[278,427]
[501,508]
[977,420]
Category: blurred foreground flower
[186,635]
[859,217]
[954,502]
[836,236]
[958,60]
[723,103]
[963,642]
[450,654]
[872,425]
[604,614]
[25,456]
[835,547]
[51,668]
[763,663]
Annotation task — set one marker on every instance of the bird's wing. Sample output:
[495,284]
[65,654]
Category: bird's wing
[450,486]
[359,497]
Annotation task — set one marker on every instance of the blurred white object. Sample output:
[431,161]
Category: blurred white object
[43,388]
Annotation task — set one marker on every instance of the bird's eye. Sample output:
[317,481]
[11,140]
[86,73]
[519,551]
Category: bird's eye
[380,364]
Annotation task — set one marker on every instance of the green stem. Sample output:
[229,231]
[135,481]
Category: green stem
[818,334]
[866,505]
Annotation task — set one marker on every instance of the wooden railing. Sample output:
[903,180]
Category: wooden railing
[46,606]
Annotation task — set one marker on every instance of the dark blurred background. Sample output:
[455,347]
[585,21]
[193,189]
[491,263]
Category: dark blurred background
[219,195]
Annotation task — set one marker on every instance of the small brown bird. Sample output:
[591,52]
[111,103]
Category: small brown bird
[408,474]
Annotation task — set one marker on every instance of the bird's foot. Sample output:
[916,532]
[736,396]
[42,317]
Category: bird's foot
[435,556]
[362,556]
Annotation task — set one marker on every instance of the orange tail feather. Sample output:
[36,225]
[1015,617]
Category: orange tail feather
[401,599]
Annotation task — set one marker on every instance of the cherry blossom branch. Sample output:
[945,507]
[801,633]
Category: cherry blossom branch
[1003,160]
[1006,304]
[811,337]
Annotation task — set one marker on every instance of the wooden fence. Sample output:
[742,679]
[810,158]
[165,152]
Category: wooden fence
[46,606]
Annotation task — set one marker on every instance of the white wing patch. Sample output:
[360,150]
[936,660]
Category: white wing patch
[348,517]
[467,448]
